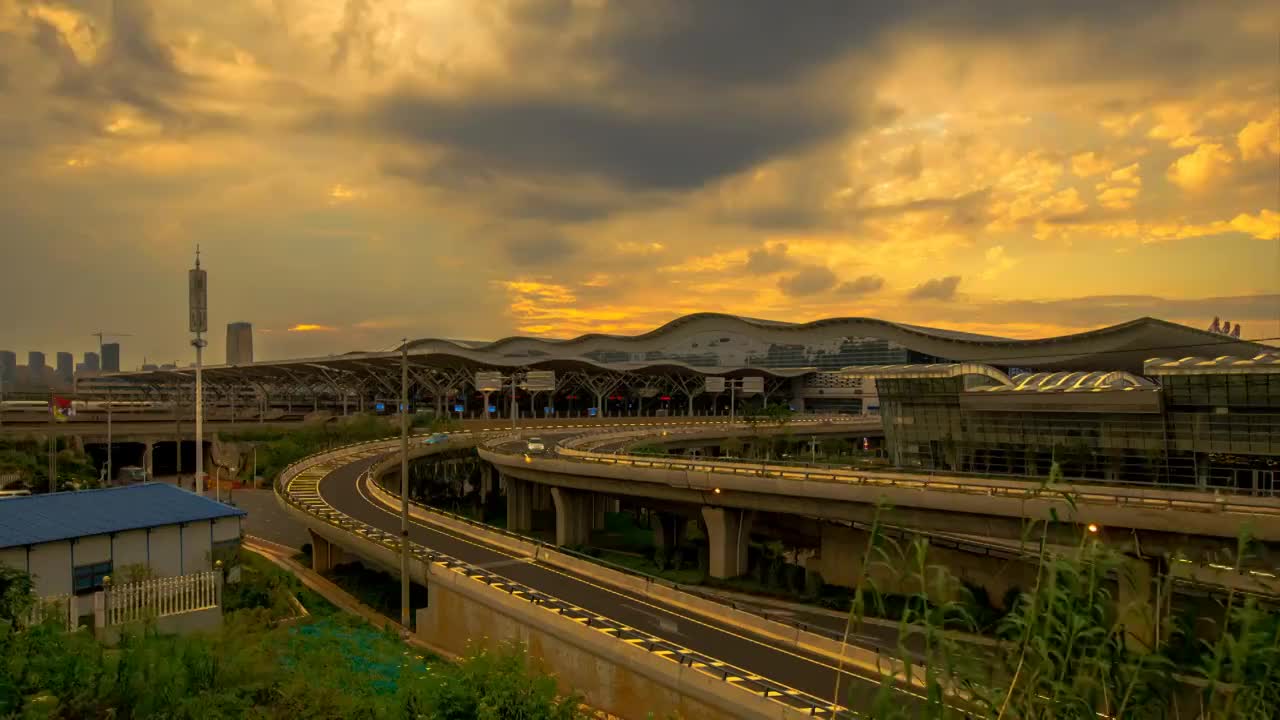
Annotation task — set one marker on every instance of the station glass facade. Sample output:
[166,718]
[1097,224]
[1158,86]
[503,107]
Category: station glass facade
[1206,430]
[732,349]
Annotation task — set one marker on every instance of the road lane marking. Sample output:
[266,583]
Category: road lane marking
[850,671]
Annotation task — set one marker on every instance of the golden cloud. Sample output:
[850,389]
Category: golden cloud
[1118,198]
[997,262]
[1260,138]
[310,327]
[1120,188]
[1199,169]
[1088,164]
[1266,226]
[1176,124]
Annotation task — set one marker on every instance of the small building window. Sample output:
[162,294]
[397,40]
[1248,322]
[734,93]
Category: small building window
[88,578]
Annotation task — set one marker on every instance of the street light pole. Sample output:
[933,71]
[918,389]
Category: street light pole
[109,475]
[513,400]
[404,483]
[199,309]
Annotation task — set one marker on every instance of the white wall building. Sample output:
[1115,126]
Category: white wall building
[68,542]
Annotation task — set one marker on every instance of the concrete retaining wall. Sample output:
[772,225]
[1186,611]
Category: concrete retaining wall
[786,636]
[615,676]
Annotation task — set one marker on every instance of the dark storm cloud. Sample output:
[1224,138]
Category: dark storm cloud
[683,94]
[808,281]
[135,67]
[943,288]
[538,250]
[658,149]
[134,41]
[861,285]
[524,200]
[765,260]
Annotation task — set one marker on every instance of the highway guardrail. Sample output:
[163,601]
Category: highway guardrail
[316,508]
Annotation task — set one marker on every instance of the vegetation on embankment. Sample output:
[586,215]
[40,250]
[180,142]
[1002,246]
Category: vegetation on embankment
[327,665]
[28,458]
[278,448]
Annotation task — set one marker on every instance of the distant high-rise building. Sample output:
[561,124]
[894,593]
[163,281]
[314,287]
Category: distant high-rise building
[91,362]
[33,374]
[111,357]
[66,366]
[239,343]
[8,366]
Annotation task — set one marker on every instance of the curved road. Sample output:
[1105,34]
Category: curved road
[808,674]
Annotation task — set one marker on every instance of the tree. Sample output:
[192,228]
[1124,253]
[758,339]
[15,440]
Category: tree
[16,594]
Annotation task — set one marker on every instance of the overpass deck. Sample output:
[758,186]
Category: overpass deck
[339,492]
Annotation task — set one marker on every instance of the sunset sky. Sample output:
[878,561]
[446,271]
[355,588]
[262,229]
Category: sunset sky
[360,171]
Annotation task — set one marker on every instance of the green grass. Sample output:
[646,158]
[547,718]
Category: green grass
[377,589]
[330,665]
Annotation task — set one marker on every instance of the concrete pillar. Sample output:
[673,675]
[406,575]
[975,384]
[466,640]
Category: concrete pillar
[148,459]
[1136,604]
[797,393]
[324,554]
[519,505]
[573,515]
[841,554]
[486,482]
[728,535]
[668,530]
[602,504]
[541,495]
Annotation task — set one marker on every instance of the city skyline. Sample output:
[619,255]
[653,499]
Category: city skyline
[536,170]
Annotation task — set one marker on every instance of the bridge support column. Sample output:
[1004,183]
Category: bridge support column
[797,394]
[519,504]
[668,530]
[541,497]
[602,504]
[573,515]
[728,535]
[486,482]
[1137,604]
[148,459]
[324,554]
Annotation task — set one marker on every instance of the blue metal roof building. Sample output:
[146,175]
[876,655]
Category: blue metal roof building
[38,519]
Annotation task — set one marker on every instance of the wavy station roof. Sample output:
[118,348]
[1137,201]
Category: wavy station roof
[1123,347]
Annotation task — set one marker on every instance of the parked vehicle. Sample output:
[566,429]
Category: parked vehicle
[535,445]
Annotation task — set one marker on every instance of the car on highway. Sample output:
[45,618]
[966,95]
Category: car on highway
[435,438]
[535,445]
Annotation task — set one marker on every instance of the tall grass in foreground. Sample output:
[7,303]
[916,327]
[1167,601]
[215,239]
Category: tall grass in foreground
[1066,650]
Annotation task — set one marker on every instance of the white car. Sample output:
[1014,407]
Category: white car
[535,445]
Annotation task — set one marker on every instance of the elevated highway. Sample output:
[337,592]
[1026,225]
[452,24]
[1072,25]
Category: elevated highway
[338,496]
[1149,520]
[334,495]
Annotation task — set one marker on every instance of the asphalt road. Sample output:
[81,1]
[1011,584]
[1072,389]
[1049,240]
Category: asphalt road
[805,672]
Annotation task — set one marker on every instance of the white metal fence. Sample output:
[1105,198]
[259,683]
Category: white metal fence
[59,608]
[160,597]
